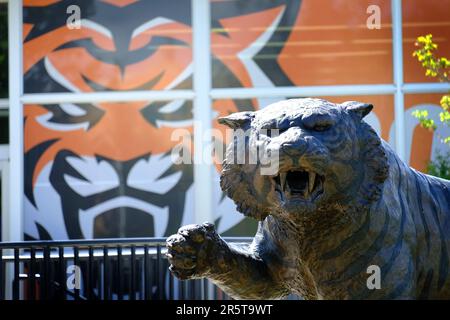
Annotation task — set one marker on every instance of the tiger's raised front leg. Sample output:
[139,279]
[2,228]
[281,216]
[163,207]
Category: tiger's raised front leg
[197,251]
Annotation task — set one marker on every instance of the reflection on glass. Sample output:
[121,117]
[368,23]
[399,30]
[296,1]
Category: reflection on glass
[422,17]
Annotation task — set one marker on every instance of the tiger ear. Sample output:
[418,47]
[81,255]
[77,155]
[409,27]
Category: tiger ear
[358,108]
[237,119]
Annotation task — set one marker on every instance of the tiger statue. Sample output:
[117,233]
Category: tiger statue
[340,203]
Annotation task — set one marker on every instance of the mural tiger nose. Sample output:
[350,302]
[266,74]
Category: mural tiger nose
[125,201]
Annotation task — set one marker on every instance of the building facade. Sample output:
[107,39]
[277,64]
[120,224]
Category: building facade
[99,89]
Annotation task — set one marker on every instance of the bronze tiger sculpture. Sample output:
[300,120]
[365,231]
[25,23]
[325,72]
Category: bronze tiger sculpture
[340,202]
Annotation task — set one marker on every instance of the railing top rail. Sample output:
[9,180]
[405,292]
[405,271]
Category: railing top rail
[100,242]
[83,242]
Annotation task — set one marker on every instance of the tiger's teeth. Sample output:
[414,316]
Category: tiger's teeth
[287,190]
[312,179]
[283,180]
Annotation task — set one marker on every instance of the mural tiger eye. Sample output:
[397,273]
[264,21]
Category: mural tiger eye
[340,202]
[96,170]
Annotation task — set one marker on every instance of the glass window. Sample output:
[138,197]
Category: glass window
[422,17]
[299,43]
[141,45]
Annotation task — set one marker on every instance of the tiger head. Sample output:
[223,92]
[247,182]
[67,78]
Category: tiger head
[327,158]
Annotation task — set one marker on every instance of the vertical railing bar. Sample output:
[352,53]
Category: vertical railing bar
[119,273]
[155,274]
[89,274]
[54,276]
[42,276]
[105,273]
[62,274]
[16,283]
[99,278]
[32,274]
[187,292]
[182,289]
[193,290]
[76,263]
[146,278]
[151,273]
[171,288]
[2,286]
[199,289]
[196,289]
[205,290]
[45,277]
[133,274]
[158,272]
[140,278]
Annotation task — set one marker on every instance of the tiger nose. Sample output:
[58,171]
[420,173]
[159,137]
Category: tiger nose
[294,148]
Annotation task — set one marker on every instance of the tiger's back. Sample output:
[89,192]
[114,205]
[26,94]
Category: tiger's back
[421,203]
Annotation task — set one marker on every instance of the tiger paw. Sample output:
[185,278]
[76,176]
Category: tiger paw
[192,251]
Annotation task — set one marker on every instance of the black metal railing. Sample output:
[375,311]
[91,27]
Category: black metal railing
[102,269]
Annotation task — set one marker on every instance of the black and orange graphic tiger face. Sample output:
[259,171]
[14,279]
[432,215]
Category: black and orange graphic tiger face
[96,170]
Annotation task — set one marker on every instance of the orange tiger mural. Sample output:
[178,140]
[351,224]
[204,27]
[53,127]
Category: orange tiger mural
[104,170]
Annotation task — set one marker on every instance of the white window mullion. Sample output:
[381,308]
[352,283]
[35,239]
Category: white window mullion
[203,170]
[116,96]
[12,220]
[303,91]
[397,47]
[435,87]
[12,212]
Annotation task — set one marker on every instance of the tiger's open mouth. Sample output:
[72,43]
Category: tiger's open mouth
[299,184]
